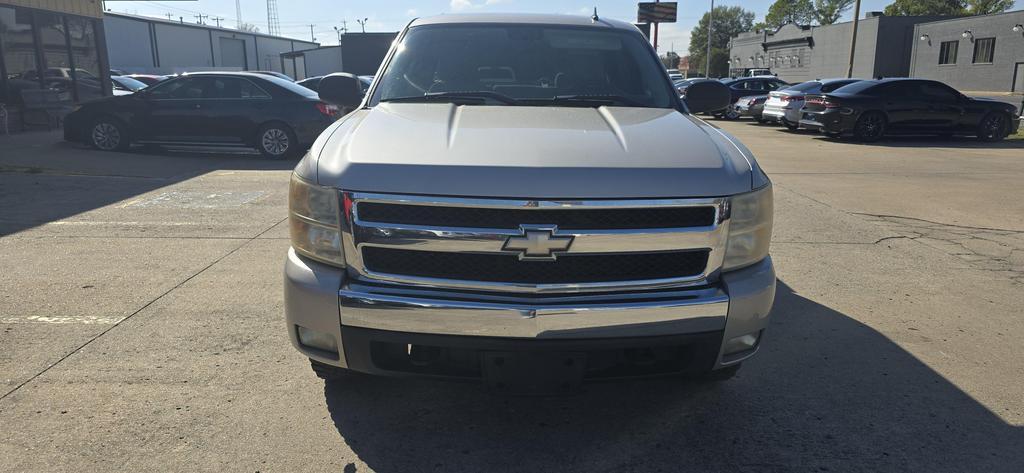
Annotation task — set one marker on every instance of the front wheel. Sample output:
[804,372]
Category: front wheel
[276,141]
[330,372]
[992,127]
[731,114]
[790,125]
[719,375]
[870,127]
[108,134]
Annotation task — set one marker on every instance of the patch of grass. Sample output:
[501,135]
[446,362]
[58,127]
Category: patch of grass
[1017,136]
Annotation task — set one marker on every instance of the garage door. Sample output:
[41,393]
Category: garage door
[232,53]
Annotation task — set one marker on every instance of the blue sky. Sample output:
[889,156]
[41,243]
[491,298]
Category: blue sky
[392,15]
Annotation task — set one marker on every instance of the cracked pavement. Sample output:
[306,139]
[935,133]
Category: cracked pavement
[140,329]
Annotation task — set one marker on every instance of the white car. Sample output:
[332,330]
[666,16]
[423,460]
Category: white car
[783,106]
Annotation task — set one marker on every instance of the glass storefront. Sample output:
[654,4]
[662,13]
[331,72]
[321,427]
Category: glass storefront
[48,61]
[86,57]
[17,45]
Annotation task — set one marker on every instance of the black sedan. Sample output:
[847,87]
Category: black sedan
[872,109]
[275,116]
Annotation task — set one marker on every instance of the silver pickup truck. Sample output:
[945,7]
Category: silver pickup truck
[525,200]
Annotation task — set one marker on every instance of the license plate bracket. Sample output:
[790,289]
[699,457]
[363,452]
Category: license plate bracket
[533,372]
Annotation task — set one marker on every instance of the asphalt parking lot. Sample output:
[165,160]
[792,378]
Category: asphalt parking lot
[141,329]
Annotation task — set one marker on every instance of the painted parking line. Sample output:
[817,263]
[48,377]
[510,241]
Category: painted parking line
[61,319]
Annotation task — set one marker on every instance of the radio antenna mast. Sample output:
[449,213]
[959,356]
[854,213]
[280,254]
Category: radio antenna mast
[273,22]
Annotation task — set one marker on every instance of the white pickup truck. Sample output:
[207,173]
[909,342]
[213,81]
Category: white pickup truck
[525,200]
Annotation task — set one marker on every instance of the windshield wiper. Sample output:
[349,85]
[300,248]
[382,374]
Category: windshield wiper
[478,96]
[602,99]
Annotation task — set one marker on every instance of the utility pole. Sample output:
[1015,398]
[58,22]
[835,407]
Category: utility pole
[853,40]
[344,26]
[362,23]
[218,20]
[338,31]
[656,32]
[168,17]
[711,29]
[199,18]
[311,37]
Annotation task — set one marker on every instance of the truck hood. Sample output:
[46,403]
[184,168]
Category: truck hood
[528,152]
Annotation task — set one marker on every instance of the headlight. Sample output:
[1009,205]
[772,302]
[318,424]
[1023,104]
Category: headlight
[750,228]
[315,221]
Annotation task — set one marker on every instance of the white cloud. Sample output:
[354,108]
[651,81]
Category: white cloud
[462,5]
[411,12]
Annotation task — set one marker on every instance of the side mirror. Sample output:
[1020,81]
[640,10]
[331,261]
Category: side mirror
[707,96]
[341,89]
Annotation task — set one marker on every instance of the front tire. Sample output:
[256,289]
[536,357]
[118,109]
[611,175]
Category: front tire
[731,114]
[719,375]
[276,141]
[870,127]
[108,134]
[992,127]
[790,125]
[330,373]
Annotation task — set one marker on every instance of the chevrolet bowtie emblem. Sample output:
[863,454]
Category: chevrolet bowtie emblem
[538,243]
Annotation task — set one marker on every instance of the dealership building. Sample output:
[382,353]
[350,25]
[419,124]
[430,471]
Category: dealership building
[142,44]
[799,53]
[75,44]
[977,53]
[982,53]
[64,40]
[356,53]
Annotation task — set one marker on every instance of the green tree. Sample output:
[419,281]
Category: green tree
[827,12]
[781,12]
[729,22]
[987,7]
[925,7]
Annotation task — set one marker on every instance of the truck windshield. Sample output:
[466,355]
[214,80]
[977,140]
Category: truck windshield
[496,64]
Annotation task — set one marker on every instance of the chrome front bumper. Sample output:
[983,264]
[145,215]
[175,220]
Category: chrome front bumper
[320,297]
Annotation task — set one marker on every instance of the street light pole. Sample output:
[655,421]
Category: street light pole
[853,40]
[711,29]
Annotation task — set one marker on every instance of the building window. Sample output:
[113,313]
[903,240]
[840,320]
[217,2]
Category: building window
[947,52]
[17,43]
[86,55]
[57,73]
[984,50]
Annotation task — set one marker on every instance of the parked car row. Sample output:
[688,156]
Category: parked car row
[869,110]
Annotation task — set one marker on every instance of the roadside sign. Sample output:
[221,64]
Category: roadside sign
[660,12]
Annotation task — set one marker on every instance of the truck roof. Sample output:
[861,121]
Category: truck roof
[523,18]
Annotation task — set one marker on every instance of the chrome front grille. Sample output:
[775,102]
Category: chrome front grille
[462,243]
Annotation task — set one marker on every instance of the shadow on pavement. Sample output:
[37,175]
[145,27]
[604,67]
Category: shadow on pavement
[44,179]
[825,394]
